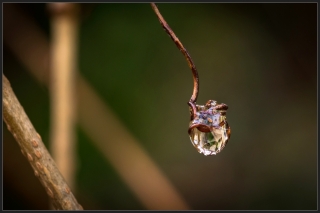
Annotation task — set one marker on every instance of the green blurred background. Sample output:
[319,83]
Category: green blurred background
[259,59]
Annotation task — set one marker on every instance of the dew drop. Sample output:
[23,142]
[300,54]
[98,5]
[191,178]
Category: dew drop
[209,136]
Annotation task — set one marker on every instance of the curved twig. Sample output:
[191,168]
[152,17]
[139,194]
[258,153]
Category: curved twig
[35,151]
[175,39]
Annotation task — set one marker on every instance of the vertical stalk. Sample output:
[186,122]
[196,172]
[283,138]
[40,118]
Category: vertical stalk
[64,29]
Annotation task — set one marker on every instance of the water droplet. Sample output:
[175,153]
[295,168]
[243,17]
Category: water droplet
[210,135]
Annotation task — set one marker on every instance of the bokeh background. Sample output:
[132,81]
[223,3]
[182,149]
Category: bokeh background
[259,59]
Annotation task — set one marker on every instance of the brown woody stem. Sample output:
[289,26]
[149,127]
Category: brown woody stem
[175,39]
[35,151]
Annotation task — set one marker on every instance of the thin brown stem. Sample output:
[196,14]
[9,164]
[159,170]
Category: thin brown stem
[35,151]
[175,39]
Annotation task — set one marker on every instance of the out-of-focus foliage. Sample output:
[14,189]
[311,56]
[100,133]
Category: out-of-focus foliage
[259,59]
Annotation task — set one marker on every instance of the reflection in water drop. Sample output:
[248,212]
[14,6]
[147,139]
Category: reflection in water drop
[209,130]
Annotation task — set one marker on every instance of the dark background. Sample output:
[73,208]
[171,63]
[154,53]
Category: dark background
[259,59]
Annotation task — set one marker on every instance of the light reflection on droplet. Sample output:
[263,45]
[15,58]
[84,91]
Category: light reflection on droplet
[209,131]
